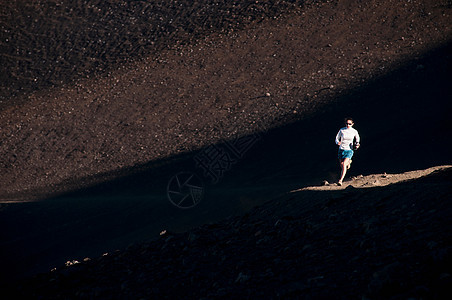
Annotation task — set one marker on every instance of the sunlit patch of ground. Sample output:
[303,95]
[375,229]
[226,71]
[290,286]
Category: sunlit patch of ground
[374,180]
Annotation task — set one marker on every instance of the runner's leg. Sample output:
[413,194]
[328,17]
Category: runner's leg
[344,164]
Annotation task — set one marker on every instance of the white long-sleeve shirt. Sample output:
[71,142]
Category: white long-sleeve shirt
[346,136]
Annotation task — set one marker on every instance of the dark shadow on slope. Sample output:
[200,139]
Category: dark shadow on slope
[404,121]
[381,242]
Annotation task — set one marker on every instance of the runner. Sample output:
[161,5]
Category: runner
[348,140]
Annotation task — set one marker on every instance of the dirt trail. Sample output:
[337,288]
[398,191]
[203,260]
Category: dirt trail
[374,180]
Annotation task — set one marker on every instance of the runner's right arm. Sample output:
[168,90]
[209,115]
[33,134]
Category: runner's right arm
[338,138]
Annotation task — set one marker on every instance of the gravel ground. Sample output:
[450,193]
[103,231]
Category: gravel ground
[373,243]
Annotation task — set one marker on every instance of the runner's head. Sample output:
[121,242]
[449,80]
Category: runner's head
[349,122]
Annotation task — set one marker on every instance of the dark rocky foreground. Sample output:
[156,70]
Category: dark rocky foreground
[387,242]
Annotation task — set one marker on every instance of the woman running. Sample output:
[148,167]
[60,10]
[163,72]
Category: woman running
[347,139]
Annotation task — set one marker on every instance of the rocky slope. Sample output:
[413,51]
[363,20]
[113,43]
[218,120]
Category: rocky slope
[386,242]
[204,88]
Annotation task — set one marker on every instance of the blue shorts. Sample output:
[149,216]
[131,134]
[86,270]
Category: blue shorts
[343,154]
